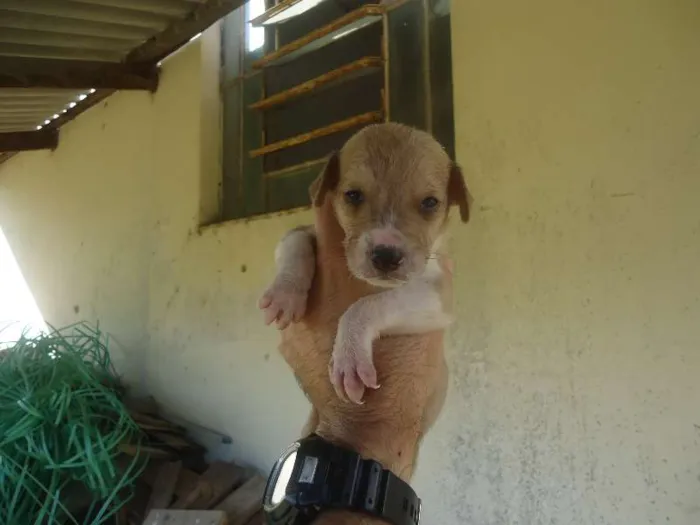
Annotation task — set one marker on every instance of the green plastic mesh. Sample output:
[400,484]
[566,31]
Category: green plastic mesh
[61,426]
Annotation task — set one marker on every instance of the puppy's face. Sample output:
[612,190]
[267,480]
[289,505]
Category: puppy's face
[392,187]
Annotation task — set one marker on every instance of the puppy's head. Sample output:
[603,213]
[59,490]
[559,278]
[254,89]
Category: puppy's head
[391,188]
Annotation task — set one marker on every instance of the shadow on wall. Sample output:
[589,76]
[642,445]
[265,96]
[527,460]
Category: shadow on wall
[18,308]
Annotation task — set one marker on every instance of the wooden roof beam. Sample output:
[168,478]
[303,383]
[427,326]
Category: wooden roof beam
[28,140]
[19,72]
[181,31]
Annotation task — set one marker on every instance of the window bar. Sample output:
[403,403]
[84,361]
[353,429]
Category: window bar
[316,163]
[322,36]
[341,74]
[336,127]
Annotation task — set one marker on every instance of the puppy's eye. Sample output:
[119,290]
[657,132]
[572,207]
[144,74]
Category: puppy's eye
[429,204]
[354,197]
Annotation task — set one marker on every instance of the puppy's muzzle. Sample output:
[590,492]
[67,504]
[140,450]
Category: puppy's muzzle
[386,259]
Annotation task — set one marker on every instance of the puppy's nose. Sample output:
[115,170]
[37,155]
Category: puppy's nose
[386,258]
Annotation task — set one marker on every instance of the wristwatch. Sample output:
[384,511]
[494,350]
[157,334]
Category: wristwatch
[314,475]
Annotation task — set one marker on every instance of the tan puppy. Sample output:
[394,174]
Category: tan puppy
[391,188]
[410,368]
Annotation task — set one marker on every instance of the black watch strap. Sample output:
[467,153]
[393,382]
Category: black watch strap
[387,496]
[333,477]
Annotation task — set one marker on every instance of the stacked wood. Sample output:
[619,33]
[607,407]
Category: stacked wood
[179,488]
[162,439]
[180,494]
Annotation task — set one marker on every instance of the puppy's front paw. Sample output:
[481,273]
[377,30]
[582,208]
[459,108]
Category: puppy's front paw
[352,370]
[283,302]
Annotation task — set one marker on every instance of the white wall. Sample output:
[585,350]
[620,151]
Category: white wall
[74,219]
[575,360]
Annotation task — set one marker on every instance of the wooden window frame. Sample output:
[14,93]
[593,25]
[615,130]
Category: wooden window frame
[414,32]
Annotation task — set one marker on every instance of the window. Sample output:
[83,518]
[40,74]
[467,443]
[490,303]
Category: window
[301,76]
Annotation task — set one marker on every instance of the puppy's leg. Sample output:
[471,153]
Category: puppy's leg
[285,299]
[414,308]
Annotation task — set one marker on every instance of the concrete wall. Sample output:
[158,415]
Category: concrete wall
[575,360]
[74,219]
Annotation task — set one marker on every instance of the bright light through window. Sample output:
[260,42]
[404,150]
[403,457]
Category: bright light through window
[19,312]
[255,36]
[295,10]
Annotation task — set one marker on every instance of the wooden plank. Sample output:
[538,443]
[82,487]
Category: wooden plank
[164,485]
[336,127]
[155,423]
[199,492]
[150,473]
[136,508]
[142,405]
[315,164]
[154,453]
[28,140]
[258,519]
[346,72]
[186,517]
[172,440]
[218,481]
[187,482]
[244,503]
[294,48]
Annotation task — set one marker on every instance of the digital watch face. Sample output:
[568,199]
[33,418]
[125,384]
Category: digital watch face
[280,477]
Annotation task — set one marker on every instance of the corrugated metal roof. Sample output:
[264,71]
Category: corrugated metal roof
[87,30]
[26,109]
[101,30]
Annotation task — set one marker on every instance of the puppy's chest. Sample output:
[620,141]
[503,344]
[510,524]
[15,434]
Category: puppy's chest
[307,346]
[307,350]
[433,272]
[303,344]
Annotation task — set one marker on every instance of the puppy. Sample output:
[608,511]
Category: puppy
[390,189]
[411,368]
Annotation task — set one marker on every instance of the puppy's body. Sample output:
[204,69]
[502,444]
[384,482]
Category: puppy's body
[421,305]
[336,293]
[391,188]
[411,370]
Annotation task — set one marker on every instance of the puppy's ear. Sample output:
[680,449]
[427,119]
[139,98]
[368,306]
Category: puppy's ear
[326,181]
[457,192]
